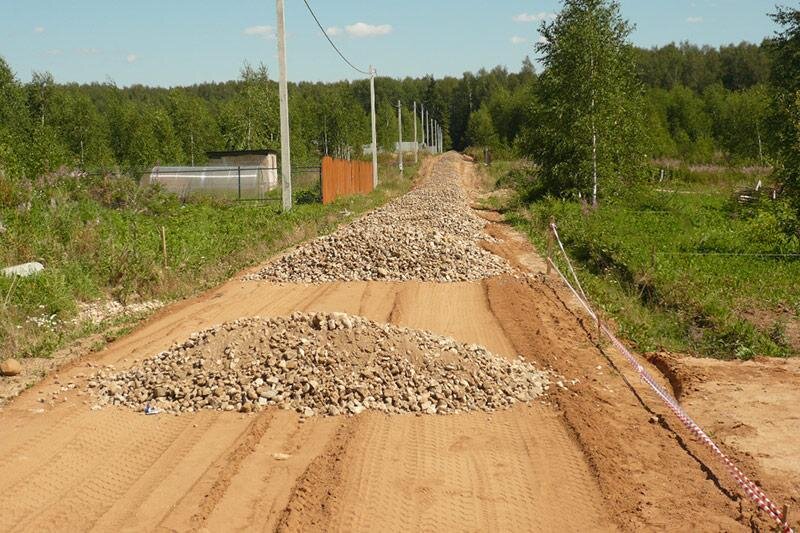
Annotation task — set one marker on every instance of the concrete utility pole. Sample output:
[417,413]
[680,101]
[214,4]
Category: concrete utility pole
[372,73]
[400,129]
[422,117]
[428,127]
[416,146]
[286,159]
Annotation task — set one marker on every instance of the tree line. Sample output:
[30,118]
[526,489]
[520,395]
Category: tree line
[683,101]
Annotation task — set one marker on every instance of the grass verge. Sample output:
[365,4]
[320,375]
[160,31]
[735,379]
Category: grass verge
[680,265]
[100,239]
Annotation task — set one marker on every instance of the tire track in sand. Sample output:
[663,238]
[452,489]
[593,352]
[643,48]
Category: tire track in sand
[515,470]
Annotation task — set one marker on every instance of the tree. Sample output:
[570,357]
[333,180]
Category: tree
[249,120]
[591,114]
[40,90]
[785,78]
[480,131]
[195,126]
[14,122]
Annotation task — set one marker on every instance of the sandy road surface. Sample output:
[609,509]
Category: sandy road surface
[112,469]
[592,460]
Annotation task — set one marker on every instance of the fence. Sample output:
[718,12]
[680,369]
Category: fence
[344,178]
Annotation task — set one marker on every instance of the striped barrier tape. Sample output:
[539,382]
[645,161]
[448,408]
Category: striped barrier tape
[752,490]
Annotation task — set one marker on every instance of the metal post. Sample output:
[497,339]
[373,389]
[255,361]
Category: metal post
[400,130]
[286,160]
[416,146]
[372,73]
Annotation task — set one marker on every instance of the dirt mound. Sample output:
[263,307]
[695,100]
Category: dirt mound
[430,234]
[326,363]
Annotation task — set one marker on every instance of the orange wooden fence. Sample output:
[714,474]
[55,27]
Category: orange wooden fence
[343,178]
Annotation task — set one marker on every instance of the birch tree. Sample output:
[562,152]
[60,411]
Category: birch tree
[785,106]
[588,129]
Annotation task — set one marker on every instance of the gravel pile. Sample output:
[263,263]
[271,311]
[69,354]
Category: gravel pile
[429,234]
[321,364]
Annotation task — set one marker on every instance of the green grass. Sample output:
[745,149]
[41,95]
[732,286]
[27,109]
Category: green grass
[101,239]
[666,266]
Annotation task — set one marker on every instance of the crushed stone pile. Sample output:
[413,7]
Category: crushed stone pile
[429,234]
[321,364]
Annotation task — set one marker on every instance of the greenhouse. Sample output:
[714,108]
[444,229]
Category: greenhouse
[237,183]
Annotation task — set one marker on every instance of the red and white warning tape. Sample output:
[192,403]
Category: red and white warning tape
[752,490]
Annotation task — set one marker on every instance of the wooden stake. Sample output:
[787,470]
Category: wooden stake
[785,511]
[164,244]
[550,245]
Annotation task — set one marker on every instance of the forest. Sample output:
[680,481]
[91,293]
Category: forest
[701,104]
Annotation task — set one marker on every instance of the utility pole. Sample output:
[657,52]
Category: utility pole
[428,127]
[416,146]
[424,139]
[400,130]
[372,73]
[286,161]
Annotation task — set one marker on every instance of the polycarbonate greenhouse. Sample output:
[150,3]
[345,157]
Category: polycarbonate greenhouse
[238,183]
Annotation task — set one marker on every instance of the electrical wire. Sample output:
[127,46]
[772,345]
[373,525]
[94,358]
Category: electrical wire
[330,41]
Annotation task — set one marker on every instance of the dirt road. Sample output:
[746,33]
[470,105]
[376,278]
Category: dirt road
[597,455]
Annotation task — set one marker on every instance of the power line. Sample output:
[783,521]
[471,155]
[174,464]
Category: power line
[330,41]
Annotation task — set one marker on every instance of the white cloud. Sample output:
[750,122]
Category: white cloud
[333,31]
[265,32]
[89,51]
[54,52]
[131,58]
[38,29]
[518,40]
[361,29]
[694,20]
[534,17]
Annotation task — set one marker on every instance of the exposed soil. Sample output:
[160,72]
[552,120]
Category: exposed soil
[783,324]
[750,407]
[599,453]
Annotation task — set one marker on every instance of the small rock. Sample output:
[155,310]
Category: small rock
[10,367]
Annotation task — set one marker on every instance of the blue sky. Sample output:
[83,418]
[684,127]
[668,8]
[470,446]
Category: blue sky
[176,42]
